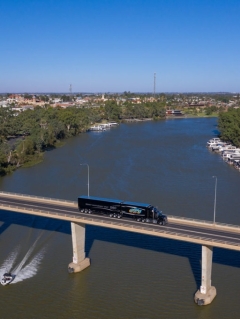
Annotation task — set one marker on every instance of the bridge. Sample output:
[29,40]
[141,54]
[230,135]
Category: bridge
[201,232]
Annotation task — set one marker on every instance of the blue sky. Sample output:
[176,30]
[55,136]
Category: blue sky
[116,46]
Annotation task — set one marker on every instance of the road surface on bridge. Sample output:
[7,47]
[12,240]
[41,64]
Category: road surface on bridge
[225,237]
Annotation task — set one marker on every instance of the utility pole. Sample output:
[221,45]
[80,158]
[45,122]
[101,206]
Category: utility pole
[215,199]
[70,92]
[154,85]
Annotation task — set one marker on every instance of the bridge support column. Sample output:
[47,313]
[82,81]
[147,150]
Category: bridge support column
[206,293]
[79,262]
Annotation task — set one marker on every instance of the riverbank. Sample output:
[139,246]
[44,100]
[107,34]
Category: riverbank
[185,116]
[30,159]
[164,163]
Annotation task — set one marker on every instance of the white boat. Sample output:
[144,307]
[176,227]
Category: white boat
[105,125]
[211,144]
[230,151]
[227,147]
[97,128]
[227,157]
[216,146]
[222,147]
[227,153]
[233,157]
[7,279]
[214,140]
[102,126]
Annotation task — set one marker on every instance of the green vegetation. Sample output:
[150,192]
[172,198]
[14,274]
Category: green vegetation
[26,135]
[229,126]
[24,138]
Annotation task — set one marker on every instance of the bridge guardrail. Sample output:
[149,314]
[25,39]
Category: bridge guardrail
[202,221]
[180,218]
[158,230]
[39,197]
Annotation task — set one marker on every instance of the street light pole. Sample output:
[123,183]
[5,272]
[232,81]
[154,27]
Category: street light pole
[215,198]
[88,176]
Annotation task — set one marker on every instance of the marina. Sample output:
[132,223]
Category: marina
[229,153]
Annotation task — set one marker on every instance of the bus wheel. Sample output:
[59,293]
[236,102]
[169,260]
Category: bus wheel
[119,216]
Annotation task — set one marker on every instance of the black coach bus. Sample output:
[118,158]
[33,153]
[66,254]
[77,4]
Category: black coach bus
[115,208]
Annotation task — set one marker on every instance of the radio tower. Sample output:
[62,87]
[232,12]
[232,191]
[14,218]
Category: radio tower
[70,89]
[154,85]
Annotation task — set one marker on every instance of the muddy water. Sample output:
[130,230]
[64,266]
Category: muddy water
[131,276]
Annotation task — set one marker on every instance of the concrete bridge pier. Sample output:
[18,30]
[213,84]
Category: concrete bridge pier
[207,292]
[80,261]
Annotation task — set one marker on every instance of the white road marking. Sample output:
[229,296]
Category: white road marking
[132,222]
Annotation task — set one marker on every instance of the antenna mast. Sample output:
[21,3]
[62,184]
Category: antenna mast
[154,85]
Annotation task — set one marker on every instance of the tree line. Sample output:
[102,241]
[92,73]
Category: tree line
[229,126]
[26,135]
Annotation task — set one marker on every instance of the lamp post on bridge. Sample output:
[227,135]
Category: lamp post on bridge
[215,198]
[88,176]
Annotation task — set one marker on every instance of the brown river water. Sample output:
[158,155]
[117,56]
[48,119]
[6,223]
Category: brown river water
[163,163]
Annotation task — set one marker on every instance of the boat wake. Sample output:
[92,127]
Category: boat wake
[9,262]
[29,270]
[23,270]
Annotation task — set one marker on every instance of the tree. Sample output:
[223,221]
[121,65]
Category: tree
[229,126]
[112,111]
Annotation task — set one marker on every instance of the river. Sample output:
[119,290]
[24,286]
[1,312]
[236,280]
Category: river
[165,163]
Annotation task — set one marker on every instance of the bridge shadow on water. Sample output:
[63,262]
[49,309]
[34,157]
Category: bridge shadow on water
[36,222]
[157,244]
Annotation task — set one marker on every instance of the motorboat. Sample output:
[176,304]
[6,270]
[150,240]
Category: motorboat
[213,141]
[104,125]
[217,146]
[227,147]
[7,279]
[227,153]
[97,128]
[233,157]
[211,144]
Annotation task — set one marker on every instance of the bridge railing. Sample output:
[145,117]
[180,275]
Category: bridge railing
[39,197]
[132,226]
[202,221]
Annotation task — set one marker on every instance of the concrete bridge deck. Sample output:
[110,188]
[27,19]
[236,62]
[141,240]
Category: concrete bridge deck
[190,230]
[201,232]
